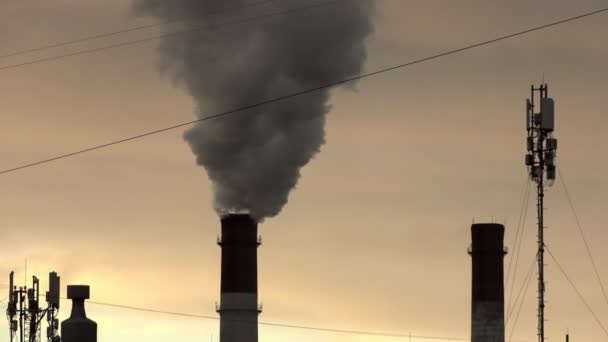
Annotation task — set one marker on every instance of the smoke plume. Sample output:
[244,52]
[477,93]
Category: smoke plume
[253,158]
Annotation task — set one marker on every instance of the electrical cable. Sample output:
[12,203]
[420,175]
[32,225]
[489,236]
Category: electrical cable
[580,296]
[517,247]
[562,181]
[138,41]
[303,92]
[527,286]
[515,239]
[527,277]
[524,289]
[291,326]
[132,29]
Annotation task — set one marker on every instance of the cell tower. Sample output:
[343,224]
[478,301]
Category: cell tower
[25,314]
[540,160]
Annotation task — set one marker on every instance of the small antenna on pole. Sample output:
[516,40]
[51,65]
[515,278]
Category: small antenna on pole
[11,310]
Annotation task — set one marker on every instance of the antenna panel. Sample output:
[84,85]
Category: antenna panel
[530,144]
[11,288]
[528,110]
[547,115]
[54,286]
[552,144]
[551,172]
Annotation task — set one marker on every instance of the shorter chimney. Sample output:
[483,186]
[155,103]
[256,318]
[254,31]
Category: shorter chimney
[78,328]
[487,305]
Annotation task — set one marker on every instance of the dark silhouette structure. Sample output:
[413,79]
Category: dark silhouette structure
[487,306]
[238,307]
[25,311]
[540,160]
[78,328]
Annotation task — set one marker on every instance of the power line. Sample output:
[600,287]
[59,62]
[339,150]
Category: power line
[132,29]
[303,92]
[290,326]
[138,41]
[280,325]
[580,296]
[562,181]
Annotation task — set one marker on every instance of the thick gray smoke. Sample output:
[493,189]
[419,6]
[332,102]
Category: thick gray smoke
[253,158]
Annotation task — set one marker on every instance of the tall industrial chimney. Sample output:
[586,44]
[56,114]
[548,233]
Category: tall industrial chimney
[238,307]
[487,308]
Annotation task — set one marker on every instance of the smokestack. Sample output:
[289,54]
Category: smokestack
[238,307]
[78,328]
[487,307]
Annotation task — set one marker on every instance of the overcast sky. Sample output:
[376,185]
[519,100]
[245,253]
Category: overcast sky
[375,235]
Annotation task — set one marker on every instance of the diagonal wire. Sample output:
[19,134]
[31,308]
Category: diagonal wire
[582,233]
[521,237]
[132,29]
[525,287]
[527,277]
[580,296]
[279,325]
[292,326]
[518,226]
[518,235]
[143,40]
[307,91]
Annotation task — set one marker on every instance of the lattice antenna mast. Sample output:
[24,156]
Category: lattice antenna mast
[33,312]
[25,314]
[540,160]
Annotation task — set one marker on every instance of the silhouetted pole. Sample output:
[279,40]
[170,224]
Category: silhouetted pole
[21,314]
[540,160]
[78,328]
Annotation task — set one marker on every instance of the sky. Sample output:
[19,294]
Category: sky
[374,236]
